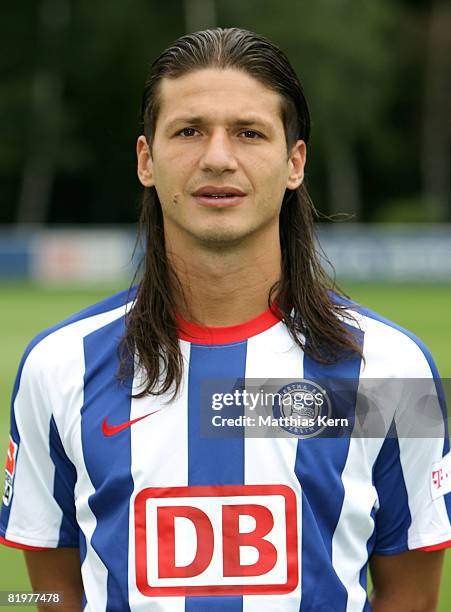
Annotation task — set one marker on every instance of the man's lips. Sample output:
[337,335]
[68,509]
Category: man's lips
[219,202]
[219,196]
[218,190]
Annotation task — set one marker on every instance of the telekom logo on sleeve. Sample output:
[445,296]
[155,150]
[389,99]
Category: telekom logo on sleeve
[222,540]
[441,477]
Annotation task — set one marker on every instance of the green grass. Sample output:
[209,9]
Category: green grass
[423,309]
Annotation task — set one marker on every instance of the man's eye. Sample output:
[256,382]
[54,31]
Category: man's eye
[253,134]
[184,131]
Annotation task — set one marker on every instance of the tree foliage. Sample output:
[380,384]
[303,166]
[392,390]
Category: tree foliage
[70,97]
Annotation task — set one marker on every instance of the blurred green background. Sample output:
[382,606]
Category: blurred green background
[377,77]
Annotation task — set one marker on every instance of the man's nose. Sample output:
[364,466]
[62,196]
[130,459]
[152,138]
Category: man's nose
[218,154]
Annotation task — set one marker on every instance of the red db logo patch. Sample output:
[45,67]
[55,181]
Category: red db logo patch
[9,471]
[223,540]
[11,457]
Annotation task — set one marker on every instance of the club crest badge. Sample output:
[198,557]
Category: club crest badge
[302,408]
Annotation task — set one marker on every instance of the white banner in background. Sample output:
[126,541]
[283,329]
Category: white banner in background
[65,256]
[358,252]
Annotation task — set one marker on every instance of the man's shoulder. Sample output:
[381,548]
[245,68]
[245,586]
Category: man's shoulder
[57,344]
[388,343]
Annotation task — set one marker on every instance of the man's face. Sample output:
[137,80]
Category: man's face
[219,130]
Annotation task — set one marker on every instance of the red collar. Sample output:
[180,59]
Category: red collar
[198,334]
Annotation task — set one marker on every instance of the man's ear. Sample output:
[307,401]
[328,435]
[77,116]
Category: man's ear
[144,162]
[296,163]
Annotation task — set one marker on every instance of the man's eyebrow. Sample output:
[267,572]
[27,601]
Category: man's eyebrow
[239,121]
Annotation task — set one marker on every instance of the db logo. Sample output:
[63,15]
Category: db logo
[220,540]
[9,471]
[11,457]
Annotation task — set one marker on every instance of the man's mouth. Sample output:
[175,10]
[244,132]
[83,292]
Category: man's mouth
[219,195]
[219,199]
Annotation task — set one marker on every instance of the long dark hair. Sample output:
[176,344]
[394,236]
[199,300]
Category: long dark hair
[305,293]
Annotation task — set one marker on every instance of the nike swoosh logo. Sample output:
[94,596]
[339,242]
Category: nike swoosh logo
[112,430]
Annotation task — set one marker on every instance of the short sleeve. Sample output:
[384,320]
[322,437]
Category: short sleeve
[412,474]
[38,509]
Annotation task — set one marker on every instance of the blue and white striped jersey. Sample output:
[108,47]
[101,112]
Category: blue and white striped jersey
[169,520]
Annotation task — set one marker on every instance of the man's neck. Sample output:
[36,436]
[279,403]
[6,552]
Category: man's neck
[225,287]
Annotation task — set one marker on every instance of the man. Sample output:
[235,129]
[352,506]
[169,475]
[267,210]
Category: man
[108,467]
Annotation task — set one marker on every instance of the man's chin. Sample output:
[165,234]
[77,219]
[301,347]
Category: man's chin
[221,239]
